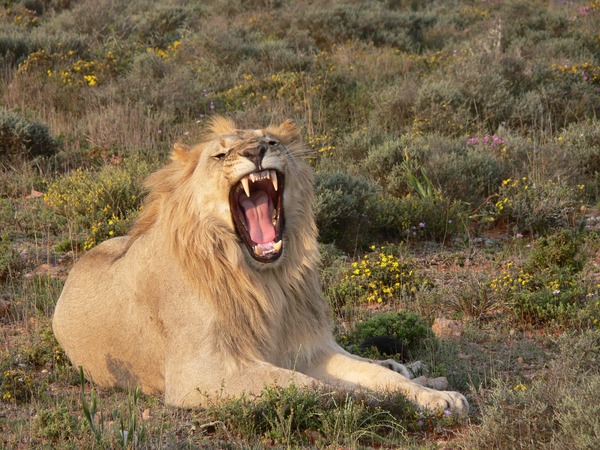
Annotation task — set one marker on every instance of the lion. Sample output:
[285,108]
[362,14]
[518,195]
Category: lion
[215,291]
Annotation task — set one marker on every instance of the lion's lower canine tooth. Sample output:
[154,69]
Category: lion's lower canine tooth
[277,246]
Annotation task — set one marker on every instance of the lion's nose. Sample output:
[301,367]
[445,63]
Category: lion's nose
[255,154]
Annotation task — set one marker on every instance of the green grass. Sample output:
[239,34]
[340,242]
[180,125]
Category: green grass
[457,139]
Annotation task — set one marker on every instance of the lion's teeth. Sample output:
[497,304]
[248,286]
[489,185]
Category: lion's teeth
[267,249]
[246,186]
[273,176]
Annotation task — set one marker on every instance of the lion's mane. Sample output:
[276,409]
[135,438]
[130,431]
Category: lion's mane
[210,254]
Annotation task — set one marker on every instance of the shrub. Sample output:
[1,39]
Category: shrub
[22,138]
[16,385]
[443,108]
[102,203]
[55,423]
[378,24]
[417,218]
[549,287]
[15,44]
[393,106]
[346,210]
[409,328]
[355,146]
[164,24]
[483,91]
[9,261]
[580,156]
[379,276]
[537,206]
[472,299]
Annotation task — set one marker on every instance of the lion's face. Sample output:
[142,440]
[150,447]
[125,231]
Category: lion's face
[254,165]
[251,167]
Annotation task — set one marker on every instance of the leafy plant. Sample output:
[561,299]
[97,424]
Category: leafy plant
[102,203]
[537,206]
[55,423]
[409,328]
[345,209]
[90,409]
[22,138]
[379,276]
[549,286]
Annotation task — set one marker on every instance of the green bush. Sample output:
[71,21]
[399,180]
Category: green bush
[561,250]
[379,276]
[549,287]
[407,327]
[56,423]
[160,26]
[102,203]
[378,24]
[416,218]
[15,44]
[443,108]
[22,138]
[537,206]
[346,210]
[9,261]
[17,385]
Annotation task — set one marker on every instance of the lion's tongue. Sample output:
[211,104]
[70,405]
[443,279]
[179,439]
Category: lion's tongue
[258,209]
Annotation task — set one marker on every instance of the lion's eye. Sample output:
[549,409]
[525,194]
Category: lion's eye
[220,156]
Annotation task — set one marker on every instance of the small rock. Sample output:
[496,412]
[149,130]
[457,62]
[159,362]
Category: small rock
[34,194]
[447,327]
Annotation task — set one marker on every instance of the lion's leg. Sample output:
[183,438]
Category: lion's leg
[344,369]
[193,386]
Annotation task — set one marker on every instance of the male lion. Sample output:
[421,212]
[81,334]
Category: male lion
[216,291]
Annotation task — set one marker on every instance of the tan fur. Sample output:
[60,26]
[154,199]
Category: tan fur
[179,307]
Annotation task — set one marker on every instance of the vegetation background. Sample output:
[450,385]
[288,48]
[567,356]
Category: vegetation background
[457,151]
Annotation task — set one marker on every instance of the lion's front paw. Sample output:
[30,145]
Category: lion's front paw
[433,400]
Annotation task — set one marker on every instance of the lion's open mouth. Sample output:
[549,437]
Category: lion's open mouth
[256,205]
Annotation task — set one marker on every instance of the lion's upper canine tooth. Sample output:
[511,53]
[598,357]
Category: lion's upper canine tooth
[273,176]
[246,186]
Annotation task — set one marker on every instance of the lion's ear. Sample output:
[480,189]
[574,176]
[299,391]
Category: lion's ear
[288,132]
[220,125]
[180,152]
